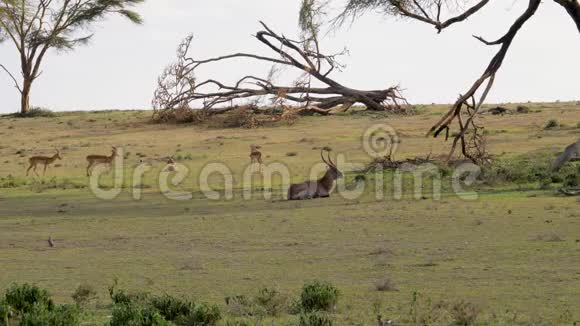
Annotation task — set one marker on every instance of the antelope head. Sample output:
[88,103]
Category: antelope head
[332,171]
[57,155]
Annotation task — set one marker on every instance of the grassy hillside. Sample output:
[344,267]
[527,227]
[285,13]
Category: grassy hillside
[510,250]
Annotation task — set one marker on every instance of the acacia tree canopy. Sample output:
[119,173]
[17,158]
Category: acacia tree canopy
[442,14]
[35,26]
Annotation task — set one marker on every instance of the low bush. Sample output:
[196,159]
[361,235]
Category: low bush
[202,315]
[385,284]
[240,305]
[119,296]
[84,294]
[37,112]
[24,297]
[525,168]
[6,313]
[139,308]
[319,296]
[66,315]
[54,183]
[171,308]
[29,305]
[572,177]
[551,124]
[464,313]
[271,300]
[239,322]
[522,109]
[10,181]
[267,302]
[315,319]
[132,314]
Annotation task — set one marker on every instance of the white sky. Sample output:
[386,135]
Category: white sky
[118,70]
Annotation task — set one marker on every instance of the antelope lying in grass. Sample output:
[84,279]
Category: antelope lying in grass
[100,159]
[35,160]
[320,188]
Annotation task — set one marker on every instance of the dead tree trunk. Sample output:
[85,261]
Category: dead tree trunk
[178,87]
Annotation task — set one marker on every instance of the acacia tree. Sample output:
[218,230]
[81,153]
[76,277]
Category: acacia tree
[35,26]
[442,14]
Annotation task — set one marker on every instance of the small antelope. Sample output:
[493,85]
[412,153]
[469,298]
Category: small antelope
[320,188]
[100,159]
[255,155]
[170,167]
[35,160]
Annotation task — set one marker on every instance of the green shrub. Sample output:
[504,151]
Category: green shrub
[318,296]
[525,168]
[5,313]
[241,305]
[239,322]
[572,179]
[83,294]
[37,112]
[202,315]
[132,314]
[272,301]
[464,313]
[171,308]
[315,319]
[11,182]
[24,297]
[40,315]
[551,124]
[119,296]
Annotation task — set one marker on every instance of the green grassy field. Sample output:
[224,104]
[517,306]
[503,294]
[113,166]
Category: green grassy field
[515,248]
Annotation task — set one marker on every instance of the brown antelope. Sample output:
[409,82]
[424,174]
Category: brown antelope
[255,155]
[320,188]
[100,159]
[170,167]
[35,160]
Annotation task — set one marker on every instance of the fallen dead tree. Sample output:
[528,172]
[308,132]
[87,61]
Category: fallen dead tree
[178,88]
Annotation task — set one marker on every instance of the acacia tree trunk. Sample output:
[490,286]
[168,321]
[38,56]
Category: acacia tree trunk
[25,96]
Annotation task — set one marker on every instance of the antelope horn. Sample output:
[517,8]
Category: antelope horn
[330,160]
[322,156]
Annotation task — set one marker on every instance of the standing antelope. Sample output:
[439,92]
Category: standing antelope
[35,160]
[255,155]
[320,188]
[100,159]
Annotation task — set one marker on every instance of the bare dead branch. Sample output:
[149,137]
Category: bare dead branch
[473,148]
[178,87]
